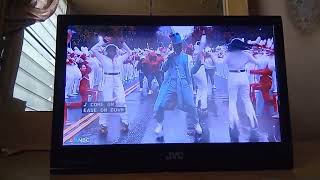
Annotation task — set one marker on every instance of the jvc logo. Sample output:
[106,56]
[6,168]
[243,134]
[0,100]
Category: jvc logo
[174,156]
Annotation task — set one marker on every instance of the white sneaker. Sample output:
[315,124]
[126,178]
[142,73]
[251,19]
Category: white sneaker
[140,90]
[276,116]
[214,86]
[198,129]
[194,92]
[124,126]
[159,129]
[150,92]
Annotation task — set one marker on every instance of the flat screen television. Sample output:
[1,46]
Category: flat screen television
[145,93]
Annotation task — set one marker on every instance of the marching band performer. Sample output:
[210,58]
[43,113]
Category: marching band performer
[69,73]
[200,78]
[210,66]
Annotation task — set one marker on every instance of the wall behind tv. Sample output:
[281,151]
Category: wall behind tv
[303,63]
[302,54]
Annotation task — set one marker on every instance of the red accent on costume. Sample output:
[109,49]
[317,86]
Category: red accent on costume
[153,62]
[84,88]
[83,56]
[65,113]
[264,85]
[70,61]
[275,102]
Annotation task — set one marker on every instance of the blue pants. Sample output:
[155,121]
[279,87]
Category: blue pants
[169,101]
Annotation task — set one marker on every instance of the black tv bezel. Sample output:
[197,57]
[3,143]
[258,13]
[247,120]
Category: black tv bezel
[152,157]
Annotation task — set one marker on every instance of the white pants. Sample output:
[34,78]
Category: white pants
[239,83]
[76,80]
[130,71]
[113,87]
[91,79]
[69,80]
[99,78]
[274,81]
[200,80]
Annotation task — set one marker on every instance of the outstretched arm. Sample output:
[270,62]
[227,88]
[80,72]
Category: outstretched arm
[198,57]
[167,63]
[251,58]
[265,71]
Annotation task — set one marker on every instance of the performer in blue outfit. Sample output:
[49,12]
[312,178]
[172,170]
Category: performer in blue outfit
[176,87]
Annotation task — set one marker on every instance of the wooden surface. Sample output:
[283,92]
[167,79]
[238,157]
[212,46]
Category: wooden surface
[35,166]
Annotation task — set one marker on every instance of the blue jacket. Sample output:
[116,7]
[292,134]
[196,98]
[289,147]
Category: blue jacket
[176,80]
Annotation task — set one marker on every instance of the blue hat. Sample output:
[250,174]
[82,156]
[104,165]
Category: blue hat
[175,38]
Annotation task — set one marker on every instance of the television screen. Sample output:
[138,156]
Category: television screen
[170,84]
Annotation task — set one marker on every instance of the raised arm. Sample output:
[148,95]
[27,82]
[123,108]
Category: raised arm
[167,63]
[126,55]
[95,50]
[251,58]
[203,41]
[197,56]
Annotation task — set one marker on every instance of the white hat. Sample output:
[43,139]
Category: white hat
[143,57]
[268,43]
[262,42]
[207,49]
[77,51]
[85,50]
[257,41]
[158,51]
[69,50]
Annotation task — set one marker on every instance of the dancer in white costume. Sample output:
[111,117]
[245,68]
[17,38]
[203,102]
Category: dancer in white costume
[210,66]
[238,83]
[200,78]
[77,73]
[112,63]
[69,73]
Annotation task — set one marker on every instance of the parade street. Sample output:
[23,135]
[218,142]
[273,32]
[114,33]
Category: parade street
[84,128]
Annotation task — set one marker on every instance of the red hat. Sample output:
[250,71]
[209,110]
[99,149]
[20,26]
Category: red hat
[70,61]
[270,51]
[83,56]
[152,53]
